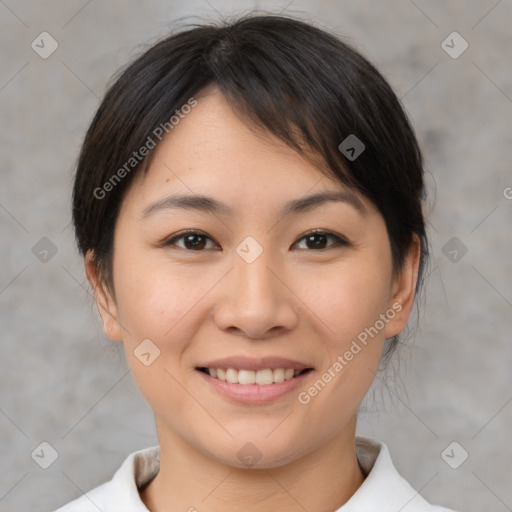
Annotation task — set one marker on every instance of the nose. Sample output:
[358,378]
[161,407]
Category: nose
[256,299]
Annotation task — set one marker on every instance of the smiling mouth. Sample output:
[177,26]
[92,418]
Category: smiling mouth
[264,377]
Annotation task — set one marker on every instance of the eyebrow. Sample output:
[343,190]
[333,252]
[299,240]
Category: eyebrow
[208,204]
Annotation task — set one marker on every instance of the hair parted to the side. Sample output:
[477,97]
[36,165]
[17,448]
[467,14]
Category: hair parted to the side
[281,75]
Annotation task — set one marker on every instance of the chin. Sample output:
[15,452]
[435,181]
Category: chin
[256,452]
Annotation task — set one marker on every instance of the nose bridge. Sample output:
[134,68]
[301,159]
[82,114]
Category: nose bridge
[256,300]
[253,279]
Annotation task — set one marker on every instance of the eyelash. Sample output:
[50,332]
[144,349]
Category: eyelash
[339,241]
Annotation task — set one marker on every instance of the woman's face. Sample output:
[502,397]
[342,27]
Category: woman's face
[254,285]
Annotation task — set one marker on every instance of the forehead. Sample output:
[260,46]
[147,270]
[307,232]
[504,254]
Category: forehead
[211,151]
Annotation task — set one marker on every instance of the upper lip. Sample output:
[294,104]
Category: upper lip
[251,363]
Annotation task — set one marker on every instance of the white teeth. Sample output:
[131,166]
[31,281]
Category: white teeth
[263,377]
[279,375]
[247,377]
[231,376]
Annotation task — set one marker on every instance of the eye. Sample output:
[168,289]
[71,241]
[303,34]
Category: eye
[317,240]
[197,241]
[192,240]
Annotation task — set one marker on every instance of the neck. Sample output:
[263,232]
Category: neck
[190,480]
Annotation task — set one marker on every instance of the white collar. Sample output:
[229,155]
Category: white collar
[383,490]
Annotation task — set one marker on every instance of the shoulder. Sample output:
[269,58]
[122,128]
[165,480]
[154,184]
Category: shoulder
[384,489]
[120,494]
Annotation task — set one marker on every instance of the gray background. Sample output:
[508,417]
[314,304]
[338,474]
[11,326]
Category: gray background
[63,382]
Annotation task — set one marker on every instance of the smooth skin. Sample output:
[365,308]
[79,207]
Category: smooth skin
[201,301]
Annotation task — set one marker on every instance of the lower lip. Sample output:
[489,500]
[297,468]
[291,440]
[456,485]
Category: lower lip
[255,393]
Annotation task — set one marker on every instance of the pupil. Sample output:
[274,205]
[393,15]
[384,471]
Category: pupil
[319,244]
[189,241]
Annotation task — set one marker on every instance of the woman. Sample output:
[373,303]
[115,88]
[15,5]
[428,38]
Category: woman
[248,201]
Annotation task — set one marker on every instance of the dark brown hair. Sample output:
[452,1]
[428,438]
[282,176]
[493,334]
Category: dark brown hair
[281,75]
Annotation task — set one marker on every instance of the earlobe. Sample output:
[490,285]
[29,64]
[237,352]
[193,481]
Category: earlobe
[404,290]
[104,301]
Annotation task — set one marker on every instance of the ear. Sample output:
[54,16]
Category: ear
[404,290]
[105,303]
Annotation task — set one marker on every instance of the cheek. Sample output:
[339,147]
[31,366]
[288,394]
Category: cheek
[160,304]
[155,298]
[351,297]
[166,304]
[349,307]
[350,303]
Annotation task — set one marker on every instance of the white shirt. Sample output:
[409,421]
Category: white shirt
[383,490]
